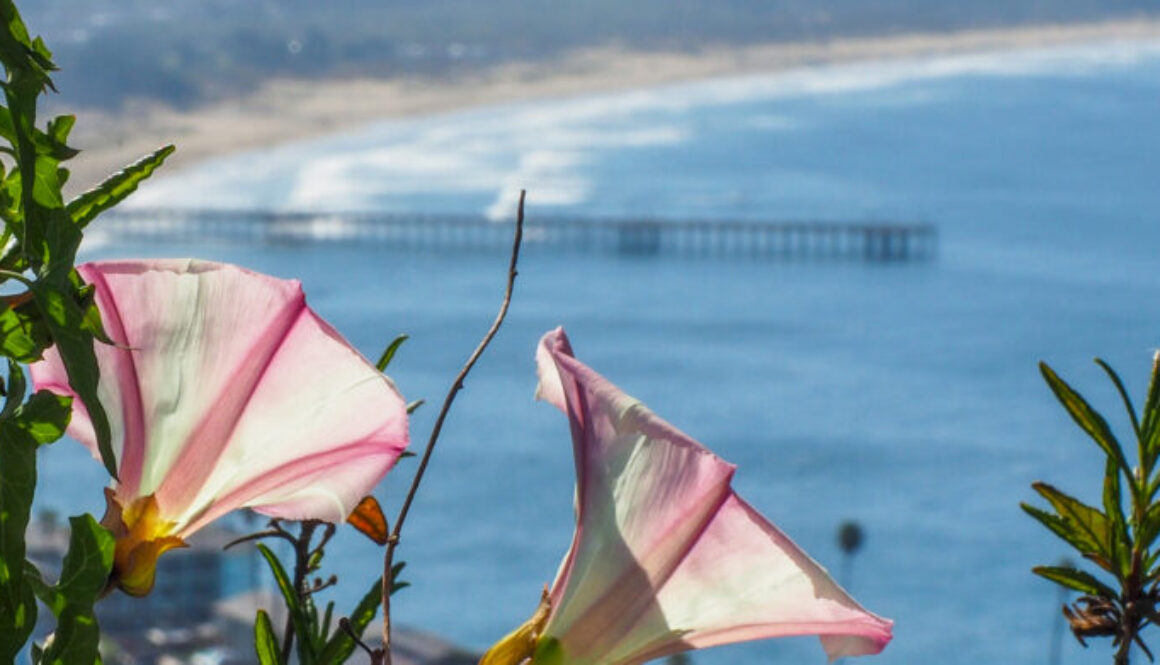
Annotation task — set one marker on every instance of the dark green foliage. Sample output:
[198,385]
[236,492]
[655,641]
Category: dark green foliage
[318,643]
[341,645]
[17,484]
[51,306]
[82,581]
[74,340]
[1118,535]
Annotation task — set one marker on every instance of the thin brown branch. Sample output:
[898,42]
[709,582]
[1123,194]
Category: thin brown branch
[344,624]
[319,585]
[270,533]
[456,386]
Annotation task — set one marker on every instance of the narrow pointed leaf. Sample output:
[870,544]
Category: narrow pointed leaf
[1123,393]
[1150,526]
[294,604]
[264,641]
[327,617]
[1075,579]
[1150,427]
[389,352]
[116,188]
[17,385]
[1089,520]
[1062,528]
[1086,417]
[1119,542]
[65,320]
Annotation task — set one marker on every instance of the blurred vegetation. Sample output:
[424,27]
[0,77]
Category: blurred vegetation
[186,51]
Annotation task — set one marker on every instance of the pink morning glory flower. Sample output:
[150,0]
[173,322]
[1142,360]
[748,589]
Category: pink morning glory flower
[224,390]
[666,557]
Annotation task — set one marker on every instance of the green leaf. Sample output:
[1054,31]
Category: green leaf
[1075,579]
[85,572]
[46,187]
[65,320]
[17,485]
[1150,427]
[1119,542]
[116,188]
[1123,393]
[1149,527]
[1089,521]
[1087,418]
[398,585]
[44,416]
[7,129]
[340,646]
[265,643]
[19,53]
[315,560]
[87,300]
[1065,529]
[327,617]
[389,352]
[294,605]
[414,406]
[56,139]
[83,579]
[41,588]
[23,335]
[17,385]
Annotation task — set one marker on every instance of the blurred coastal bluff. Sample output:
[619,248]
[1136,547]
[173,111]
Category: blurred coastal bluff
[202,609]
[217,77]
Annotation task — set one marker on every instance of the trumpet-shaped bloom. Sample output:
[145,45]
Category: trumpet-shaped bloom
[666,557]
[224,390]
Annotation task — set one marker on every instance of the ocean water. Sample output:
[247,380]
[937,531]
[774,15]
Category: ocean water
[903,396]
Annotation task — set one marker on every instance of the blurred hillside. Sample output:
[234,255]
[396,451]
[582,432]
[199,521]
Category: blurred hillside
[183,52]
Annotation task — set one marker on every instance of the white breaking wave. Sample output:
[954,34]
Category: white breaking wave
[550,148]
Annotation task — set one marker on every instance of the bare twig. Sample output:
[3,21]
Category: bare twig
[344,624]
[388,560]
[276,531]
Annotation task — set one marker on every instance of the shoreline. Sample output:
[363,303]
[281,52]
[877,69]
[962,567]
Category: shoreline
[289,110]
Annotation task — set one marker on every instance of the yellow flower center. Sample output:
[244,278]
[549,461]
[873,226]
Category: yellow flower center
[141,537]
[519,646]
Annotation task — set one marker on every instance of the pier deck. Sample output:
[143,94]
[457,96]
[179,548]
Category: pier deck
[773,240]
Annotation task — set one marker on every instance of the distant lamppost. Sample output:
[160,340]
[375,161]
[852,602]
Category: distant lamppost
[1055,652]
[850,539]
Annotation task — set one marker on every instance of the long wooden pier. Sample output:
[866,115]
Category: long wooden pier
[866,241]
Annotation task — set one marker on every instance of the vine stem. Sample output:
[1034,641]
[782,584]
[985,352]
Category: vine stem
[456,386]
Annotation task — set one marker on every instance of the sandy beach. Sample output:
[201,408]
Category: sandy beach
[286,110]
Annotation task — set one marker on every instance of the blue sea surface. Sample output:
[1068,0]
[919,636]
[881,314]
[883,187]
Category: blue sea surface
[904,396]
